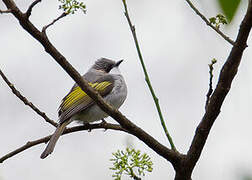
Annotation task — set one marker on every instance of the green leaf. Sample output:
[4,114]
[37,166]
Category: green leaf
[229,7]
[130,161]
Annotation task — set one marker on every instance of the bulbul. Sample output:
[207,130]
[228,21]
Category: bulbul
[104,76]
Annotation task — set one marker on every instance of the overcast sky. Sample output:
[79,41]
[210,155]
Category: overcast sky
[177,47]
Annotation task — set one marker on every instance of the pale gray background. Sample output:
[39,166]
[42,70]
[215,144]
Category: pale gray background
[176,45]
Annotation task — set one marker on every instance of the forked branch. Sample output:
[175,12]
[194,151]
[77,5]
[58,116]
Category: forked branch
[29,10]
[226,77]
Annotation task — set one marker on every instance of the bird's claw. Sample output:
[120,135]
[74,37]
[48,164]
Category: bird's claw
[103,123]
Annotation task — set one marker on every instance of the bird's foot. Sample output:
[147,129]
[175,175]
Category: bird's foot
[103,123]
[89,126]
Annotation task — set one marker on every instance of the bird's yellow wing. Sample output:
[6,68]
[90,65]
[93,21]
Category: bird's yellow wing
[77,100]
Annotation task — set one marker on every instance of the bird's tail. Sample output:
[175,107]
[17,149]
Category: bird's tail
[54,138]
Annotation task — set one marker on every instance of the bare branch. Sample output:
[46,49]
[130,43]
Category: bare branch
[147,79]
[226,77]
[209,24]
[210,90]
[5,11]
[168,154]
[29,10]
[25,101]
[67,131]
[55,20]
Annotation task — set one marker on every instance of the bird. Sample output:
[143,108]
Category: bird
[105,77]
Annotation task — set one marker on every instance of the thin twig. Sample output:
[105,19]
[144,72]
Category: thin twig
[133,175]
[29,10]
[147,79]
[45,139]
[55,20]
[25,101]
[209,24]
[210,90]
[5,11]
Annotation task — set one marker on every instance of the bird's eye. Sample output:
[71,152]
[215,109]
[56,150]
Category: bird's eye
[109,67]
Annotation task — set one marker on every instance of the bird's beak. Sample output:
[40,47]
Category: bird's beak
[118,63]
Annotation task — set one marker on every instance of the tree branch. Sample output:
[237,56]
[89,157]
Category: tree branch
[147,79]
[210,90]
[226,77]
[55,20]
[29,10]
[209,24]
[45,139]
[171,156]
[25,101]
[5,11]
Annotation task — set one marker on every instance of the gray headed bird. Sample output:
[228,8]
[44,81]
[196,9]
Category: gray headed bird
[104,76]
